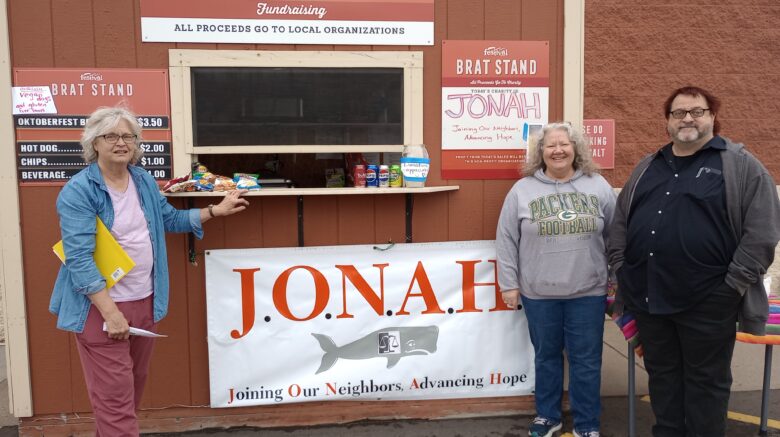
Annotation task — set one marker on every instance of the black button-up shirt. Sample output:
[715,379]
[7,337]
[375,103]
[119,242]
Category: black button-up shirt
[678,241]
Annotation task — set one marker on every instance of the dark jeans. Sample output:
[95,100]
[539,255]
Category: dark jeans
[688,359]
[577,326]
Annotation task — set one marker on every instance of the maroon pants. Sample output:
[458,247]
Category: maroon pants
[116,370]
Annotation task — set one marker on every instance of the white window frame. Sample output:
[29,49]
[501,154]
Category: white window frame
[180,61]
[574,61]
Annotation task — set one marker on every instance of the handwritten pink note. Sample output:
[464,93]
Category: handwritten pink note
[33,100]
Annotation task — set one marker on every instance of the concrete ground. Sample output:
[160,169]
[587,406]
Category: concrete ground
[745,405]
[7,421]
[614,424]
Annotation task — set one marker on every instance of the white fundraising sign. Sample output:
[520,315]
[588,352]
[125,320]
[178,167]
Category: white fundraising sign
[365,22]
[418,321]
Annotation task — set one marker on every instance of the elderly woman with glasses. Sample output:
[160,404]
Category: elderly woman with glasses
[550,244]
[128,201]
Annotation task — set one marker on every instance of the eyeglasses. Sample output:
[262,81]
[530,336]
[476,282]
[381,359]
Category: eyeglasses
[679,114]
[114,138]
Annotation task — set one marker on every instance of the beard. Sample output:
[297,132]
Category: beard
[689,134]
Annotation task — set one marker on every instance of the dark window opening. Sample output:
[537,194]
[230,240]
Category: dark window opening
[297,106]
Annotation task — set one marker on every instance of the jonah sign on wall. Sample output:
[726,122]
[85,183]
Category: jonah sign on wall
[495,98]
[418,321]
[374,22]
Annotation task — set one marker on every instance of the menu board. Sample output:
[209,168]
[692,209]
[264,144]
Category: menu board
[47,136]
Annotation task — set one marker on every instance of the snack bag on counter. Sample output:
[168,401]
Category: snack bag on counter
[224,183]
[198,168]
[173,185]
[207,176]
[203,185]
[199,171]
[181,187]
[237,176]
[246,182]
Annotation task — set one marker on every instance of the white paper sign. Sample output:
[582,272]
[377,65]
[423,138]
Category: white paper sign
[33,100]
[418,321]
[236,30]
[491,118]
[139,332]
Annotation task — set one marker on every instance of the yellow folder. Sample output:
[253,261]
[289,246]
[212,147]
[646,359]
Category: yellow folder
[111,260]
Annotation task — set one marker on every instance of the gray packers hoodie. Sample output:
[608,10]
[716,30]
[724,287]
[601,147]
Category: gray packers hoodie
[551,236]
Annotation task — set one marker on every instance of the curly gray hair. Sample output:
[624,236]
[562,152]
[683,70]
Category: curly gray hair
[103,121]
[583,157]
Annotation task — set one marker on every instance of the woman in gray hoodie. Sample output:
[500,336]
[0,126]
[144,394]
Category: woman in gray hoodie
[550,243]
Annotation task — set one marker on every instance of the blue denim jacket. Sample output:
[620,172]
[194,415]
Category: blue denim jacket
[80,200]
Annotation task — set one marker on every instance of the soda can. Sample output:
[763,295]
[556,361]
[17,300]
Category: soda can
[359,176]
[384,176]
[372,176]
[396,179]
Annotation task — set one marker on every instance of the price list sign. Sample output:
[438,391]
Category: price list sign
[47,145]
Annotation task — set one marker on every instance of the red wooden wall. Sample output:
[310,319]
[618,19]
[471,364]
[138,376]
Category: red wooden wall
[637,53]
[106,34]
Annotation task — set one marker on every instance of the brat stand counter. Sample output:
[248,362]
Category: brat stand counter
[301,193]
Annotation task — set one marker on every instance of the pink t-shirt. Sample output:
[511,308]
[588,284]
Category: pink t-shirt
[132,234]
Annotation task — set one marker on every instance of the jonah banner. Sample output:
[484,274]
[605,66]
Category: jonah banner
[416,321]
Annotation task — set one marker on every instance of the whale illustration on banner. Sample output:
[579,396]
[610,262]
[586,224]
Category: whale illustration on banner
[392,343]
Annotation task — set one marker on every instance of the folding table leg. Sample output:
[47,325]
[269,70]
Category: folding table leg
[631,392]
[762,431]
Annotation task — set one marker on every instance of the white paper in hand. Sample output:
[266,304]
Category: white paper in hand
[138,331]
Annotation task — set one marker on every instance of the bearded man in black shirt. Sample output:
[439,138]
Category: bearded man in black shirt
[695,230]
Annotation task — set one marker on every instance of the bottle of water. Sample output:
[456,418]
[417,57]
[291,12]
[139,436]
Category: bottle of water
[415,165]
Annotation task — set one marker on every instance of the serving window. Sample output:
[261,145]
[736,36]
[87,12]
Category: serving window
[271,102]
[297,106]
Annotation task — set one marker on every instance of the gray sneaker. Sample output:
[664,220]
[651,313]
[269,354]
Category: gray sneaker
[586,434]
[542,427]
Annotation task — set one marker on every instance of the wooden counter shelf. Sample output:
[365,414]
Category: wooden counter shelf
[343,191]
[301,192]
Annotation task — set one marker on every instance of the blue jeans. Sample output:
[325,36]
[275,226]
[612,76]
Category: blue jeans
[576,325]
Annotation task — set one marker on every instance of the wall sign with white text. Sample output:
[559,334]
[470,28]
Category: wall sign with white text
[363,22]
[494,97]
[601,139]
[47,145]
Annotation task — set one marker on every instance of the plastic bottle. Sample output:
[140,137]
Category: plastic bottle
[415,165]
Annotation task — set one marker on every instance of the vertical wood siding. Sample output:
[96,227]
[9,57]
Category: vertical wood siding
[106,34]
